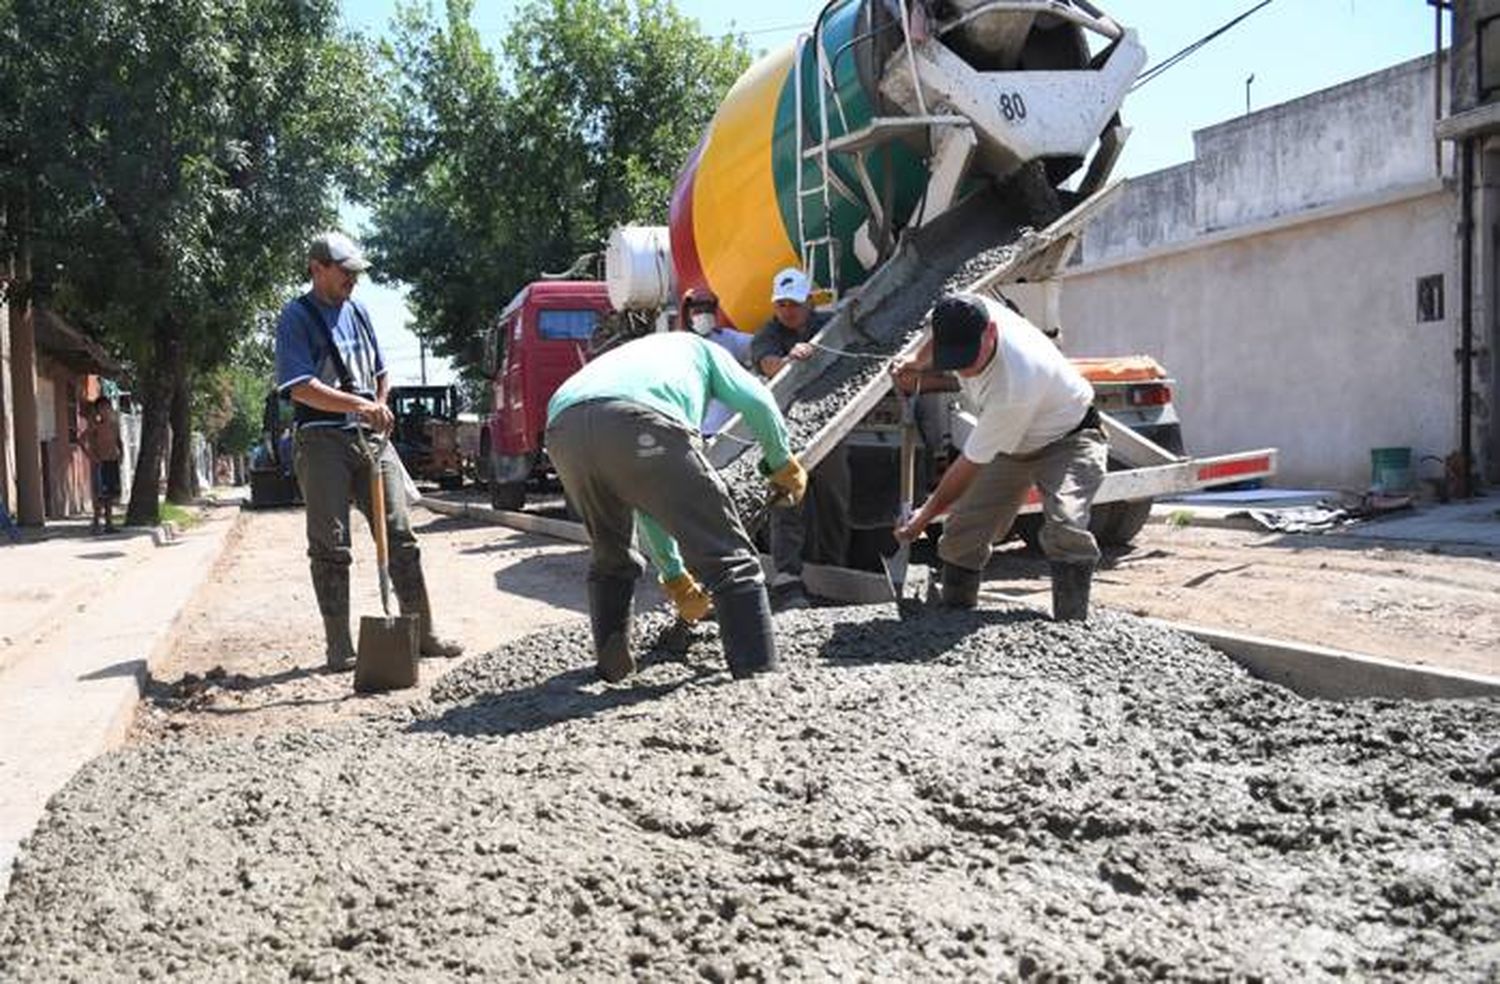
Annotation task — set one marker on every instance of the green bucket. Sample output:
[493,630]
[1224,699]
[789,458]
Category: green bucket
[1390,469]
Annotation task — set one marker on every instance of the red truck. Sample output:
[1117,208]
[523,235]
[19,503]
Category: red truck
[543,336]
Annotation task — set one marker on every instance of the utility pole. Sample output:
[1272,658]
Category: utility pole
[422,354]
[1247,92]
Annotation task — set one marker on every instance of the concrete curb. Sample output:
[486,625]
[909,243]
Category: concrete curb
[1336,674]
[1318,671]
[561,529]
[73,695]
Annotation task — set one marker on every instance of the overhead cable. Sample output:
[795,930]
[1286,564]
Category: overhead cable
[1167,63]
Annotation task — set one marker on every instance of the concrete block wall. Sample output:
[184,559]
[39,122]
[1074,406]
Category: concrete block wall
[1361,138]
[1303,337]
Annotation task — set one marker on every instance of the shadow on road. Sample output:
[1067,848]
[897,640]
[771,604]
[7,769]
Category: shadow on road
[125,668]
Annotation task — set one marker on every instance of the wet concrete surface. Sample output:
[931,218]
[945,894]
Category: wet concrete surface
[965,794]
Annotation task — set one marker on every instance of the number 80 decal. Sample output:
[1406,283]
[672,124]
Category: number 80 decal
[1012,106]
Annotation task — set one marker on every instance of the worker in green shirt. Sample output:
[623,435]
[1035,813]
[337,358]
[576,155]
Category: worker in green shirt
[623,434]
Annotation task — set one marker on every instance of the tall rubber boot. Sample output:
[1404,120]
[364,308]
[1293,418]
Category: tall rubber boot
[331,586]
[610,602]
[960,586]
[746,631]
[1070,592]
[411,592]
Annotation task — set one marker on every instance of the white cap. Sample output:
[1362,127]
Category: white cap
[790,284]
[335,247]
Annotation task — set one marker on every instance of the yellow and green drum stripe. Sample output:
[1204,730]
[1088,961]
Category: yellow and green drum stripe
[734,208]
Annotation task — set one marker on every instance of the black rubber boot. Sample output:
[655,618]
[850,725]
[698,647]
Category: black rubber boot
[746,631]
[331,586]
[960,586]
[338,646]
[411,592]
[1070,592]
[610,602]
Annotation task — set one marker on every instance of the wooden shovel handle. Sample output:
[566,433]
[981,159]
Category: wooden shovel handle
[377,510]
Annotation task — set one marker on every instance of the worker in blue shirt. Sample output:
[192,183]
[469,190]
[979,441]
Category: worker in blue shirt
[328,362]
[623,433]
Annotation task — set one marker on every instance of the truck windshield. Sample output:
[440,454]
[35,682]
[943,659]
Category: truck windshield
[558,325]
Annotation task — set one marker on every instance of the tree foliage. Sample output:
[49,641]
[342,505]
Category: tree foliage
[493,176]
[229,400]
[170,159]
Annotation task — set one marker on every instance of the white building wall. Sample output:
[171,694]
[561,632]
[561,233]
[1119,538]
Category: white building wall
[1304,337]
[1275,277]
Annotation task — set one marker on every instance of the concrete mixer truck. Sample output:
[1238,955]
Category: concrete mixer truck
[898,148]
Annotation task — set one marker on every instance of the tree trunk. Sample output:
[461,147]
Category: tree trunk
[156,404]
[182,477]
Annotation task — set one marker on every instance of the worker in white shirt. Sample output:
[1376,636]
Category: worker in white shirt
[1036,425]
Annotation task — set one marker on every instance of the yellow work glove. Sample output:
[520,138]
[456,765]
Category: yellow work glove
[790,480]
[688,597]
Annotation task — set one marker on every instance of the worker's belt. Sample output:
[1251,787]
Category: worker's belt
[1090,421]
[304,414]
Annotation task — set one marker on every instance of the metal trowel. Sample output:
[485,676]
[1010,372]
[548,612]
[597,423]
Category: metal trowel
[389,645]
[896,564]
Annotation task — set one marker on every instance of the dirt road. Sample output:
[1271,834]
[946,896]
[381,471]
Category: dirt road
[248,650]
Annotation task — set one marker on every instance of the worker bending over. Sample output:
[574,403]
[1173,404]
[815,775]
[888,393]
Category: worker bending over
[1036,425]
[623,433]
[818,529]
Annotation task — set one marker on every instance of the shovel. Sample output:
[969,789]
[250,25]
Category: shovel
[896,565]
[388,644]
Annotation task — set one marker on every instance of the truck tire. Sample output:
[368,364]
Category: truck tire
[507,495]
[1114,524]
[482,466]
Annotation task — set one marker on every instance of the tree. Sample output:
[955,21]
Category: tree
[229,400]
[491,178]
[175,156]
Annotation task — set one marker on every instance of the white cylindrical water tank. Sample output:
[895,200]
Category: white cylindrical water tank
[638,268]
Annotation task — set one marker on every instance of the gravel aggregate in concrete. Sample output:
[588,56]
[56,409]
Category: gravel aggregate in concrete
[819,401]
[963,794]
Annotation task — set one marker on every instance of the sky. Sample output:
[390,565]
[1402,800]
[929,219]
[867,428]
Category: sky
[1291,48]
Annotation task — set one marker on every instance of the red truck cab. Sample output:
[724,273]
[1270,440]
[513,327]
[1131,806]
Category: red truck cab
[543,336]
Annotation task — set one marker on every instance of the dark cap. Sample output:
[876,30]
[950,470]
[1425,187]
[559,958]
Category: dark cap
[958,323]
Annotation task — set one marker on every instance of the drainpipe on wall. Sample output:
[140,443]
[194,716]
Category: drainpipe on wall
[1466,327]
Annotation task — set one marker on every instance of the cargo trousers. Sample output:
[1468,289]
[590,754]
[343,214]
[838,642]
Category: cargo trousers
[333,471]
[615,457]
[817,529]
[1067,474]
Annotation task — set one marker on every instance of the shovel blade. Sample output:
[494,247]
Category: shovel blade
[388,654]
[896,567]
